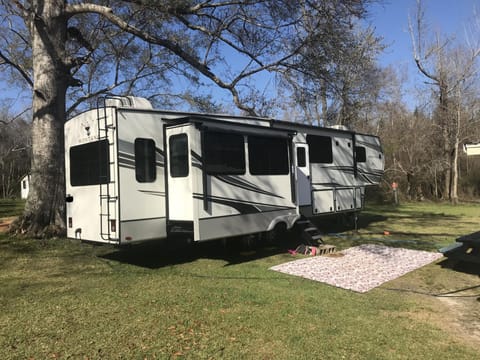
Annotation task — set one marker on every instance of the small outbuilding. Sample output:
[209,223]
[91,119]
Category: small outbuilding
[25,186]
[472,149]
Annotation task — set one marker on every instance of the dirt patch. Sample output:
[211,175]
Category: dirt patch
[5,223]
[464,317]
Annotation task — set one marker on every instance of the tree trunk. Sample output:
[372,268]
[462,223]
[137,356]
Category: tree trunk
[454,197]
[444,124]
[323,98]
[45,208]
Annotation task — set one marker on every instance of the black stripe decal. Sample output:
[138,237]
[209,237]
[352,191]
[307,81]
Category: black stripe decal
[154,193]
[232,180]
[243,207]
[160,152]
[246,185]
[126,163]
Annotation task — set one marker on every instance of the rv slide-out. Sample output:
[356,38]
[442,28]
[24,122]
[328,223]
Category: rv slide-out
[135,174]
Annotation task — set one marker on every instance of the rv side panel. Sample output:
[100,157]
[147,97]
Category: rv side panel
[370,160]
[141,162]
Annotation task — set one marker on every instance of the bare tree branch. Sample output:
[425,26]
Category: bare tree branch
[17,67]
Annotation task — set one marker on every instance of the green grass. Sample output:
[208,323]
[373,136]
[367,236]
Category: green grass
[63,299]
[11,207]
[424,226]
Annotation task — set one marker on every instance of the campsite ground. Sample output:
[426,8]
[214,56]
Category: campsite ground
[64,299]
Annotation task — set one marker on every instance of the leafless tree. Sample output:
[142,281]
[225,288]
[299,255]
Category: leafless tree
[15,152]
[449,69]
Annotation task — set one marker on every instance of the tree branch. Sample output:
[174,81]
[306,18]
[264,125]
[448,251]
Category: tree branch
[15,117]
[17,67]
[107,12]
[74,9]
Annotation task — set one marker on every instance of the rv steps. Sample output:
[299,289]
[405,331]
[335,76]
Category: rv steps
[309,232]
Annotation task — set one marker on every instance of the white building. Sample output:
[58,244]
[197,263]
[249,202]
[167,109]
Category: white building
[25,186]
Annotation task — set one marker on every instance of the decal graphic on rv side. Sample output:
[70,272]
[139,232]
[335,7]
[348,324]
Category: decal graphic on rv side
[140,174]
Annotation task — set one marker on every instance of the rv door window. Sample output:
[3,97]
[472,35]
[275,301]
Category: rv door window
[320,149]
[224,153]
[145,161]
[267,155]
[360,154]
[178,145]
[89,164]
[301,157]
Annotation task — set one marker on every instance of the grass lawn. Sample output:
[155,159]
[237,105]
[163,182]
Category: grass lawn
[11,207]
[64,299]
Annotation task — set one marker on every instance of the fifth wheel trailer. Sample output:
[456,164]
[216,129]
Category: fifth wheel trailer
[135,174]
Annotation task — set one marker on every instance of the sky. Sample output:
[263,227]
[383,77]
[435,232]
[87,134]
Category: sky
[390,19]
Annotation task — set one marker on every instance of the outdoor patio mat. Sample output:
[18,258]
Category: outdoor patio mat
[359,268]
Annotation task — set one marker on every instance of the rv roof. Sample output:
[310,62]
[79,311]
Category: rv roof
[210,123]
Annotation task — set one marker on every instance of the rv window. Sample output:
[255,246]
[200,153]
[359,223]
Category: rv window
[267,155]
[224,153]
[301,157]
[89,164]
[360,154]
[145,161]
[320,149]
[178,145]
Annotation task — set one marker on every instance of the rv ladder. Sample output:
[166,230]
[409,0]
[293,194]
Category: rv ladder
[108,190]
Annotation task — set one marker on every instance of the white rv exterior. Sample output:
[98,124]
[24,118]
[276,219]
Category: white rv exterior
[135,174]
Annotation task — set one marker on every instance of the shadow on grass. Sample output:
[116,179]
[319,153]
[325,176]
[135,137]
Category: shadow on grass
[166,253]
[346,222]
[341,225]
[461,266]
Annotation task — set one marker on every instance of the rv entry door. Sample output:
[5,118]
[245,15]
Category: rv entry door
[180,212]
[302,165]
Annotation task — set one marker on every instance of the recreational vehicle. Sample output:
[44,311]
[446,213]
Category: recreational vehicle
[135,174]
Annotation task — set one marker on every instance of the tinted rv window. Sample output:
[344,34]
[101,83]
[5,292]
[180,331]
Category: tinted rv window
[89,164]
[267,155]
[224,153]
[360,154]
[145,162]
[301,157]
[178,145]
[320,149]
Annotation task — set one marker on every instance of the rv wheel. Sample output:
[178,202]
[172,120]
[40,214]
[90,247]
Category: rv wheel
[277,234]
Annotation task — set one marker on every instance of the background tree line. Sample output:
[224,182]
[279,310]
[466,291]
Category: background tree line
[313,61]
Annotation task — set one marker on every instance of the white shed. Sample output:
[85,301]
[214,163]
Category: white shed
[25,186]
[472,149]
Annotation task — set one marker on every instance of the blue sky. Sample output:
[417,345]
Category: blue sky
[390,20]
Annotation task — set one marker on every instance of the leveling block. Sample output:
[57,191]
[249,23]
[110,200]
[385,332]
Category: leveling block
[322,249]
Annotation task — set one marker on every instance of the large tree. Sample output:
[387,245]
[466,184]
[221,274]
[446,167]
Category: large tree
[337,74]
[451,69]
[61,47]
